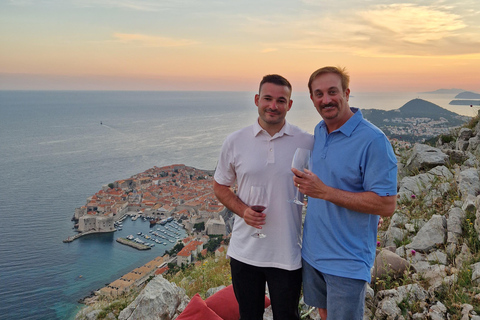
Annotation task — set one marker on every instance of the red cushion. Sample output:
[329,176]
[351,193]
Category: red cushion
[198,310]
[225,304]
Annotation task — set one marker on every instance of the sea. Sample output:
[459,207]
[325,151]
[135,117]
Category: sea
[60,147]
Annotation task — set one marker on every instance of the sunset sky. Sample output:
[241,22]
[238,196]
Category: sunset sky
[229,45]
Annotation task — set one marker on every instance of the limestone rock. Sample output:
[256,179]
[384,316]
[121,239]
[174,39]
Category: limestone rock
[465,134]
[438,311]
[390,264]
[438,257]
[476,273]
[393,234]
[388,308]
[88,313]
[477,224]
[456,216]
[432,234]
[473,144]
[435,275]
[423,182]
[212,291]
[425,157]
[160,299]
[464,256]
[462,141]
[470,203]
[466,308]
[468,182]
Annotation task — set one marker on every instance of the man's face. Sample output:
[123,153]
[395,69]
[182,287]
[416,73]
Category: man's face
[329,98]
[273,103]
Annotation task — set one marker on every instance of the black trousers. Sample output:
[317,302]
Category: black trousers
[249,286]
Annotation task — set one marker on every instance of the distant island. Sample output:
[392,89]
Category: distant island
[445,91]
[467,95]
[416,121]
[466,98]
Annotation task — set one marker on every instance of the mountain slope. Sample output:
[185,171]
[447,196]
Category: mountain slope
[414,121]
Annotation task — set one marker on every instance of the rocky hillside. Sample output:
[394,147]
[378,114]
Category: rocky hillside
[428,257]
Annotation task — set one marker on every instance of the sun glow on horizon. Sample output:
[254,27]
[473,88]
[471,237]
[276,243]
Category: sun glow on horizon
[116,44]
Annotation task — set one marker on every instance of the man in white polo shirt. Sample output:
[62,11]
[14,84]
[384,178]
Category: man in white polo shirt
[261,155]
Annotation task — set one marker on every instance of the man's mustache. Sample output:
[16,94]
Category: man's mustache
[272,111]
[328,105]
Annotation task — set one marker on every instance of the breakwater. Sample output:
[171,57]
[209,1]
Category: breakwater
[78,235]
[133,244]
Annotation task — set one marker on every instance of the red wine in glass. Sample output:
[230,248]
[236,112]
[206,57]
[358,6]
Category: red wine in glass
[258,195]
[258,208]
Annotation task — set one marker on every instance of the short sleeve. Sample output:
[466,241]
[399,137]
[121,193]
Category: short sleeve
[225,170]
[380,163]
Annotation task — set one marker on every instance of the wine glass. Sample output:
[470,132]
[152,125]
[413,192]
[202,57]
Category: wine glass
[301,160]
[258,200]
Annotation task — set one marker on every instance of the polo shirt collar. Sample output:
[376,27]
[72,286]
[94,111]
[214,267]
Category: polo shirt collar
[286,130]
[348,127]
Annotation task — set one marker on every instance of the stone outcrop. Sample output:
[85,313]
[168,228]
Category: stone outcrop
[160,299]
[413,186]
[425,157]
[431,235]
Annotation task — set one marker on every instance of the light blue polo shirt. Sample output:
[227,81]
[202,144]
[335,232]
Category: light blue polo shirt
[357,157]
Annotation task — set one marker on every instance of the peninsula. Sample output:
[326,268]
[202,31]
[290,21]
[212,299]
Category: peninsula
[159,194]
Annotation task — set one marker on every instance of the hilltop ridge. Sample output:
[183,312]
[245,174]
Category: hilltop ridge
[423,108]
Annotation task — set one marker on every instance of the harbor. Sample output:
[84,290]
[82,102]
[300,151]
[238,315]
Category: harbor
[160,236]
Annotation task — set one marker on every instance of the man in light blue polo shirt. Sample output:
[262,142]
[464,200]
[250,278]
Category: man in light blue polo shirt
[353,182]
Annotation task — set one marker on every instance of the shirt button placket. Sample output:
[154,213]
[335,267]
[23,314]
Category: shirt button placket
[271,153]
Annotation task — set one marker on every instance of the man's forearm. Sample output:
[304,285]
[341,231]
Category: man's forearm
[229,199]
[365,202]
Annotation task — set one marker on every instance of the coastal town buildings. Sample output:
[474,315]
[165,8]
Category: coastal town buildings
[178,191]
[216,226]
[99,223]
[416,127]
[189,252]
[156,195]
[136,278]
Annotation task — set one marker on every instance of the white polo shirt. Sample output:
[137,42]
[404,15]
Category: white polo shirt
[251,156]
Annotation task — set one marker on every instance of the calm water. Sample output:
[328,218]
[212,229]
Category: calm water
[55,153]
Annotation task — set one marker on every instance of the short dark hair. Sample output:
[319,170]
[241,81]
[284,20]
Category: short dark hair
[342,72]
[275,79]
